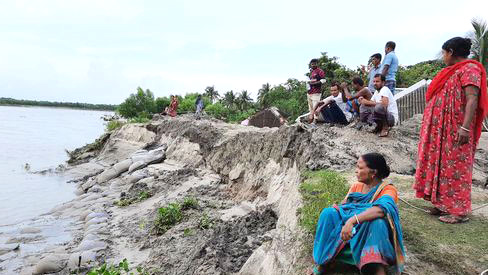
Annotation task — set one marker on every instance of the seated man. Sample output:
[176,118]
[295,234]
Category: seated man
[365,229]
[385,112]
[360,91]
[333,108]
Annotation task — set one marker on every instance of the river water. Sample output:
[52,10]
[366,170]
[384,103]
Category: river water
[38,137]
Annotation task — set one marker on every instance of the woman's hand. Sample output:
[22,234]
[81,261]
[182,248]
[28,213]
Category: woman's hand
[462,136]
[346,232]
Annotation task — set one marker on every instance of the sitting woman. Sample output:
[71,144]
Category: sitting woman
[333,108]
[365,229]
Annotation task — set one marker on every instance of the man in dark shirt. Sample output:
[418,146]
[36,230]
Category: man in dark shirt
[317,76]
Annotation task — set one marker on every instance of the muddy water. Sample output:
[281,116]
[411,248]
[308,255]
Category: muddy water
[38,137]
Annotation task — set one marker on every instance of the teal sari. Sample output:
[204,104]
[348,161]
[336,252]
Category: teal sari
[378,241]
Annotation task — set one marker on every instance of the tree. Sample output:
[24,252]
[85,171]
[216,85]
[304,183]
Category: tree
[265,89]
[211,93]
[140,104]
[243,100]
[479,37]
[229,99]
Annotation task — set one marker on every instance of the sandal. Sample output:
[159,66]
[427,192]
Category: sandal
[451,219]
[434,211]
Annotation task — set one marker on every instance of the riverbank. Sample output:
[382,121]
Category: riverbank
[5,101]
[180,196]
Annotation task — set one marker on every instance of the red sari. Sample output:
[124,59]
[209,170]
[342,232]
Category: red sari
[444,168]
[173,107]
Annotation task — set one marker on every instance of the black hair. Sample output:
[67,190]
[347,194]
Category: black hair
[383,78]
[460,47]
[391,45]
[339,88]
[377,162]
[358,80]
[315,60]
[377,56]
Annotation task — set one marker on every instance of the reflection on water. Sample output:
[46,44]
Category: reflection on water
[38,137]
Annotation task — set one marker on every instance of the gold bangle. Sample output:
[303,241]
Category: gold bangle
[357,220]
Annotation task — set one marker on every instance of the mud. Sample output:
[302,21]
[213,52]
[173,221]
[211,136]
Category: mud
[245,180]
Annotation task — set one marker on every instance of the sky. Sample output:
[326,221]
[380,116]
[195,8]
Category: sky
[100,51]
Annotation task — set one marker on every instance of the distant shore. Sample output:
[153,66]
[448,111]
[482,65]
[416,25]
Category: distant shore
[70,105]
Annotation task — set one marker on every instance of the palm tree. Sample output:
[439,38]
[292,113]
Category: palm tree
[211,93]
[479,37]
[265,89]
[479,50]
[229,99]
[243,100]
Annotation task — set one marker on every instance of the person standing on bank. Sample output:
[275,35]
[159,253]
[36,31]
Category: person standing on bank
[389,67]
[317,76]
[457,102]
[375,69]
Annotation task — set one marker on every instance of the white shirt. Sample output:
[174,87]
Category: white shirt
[338,100]
[392,105]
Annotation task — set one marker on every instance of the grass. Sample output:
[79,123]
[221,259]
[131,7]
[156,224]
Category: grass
[172,214]
[320,189]
[205,222]
[139,119]
[121,268]
[143,195]
[114,125]
[454,249]
[167,217]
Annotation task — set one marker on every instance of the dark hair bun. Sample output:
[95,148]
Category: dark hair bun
[377,162]
[459,46]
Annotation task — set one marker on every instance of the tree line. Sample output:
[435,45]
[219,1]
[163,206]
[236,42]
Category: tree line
[43,103]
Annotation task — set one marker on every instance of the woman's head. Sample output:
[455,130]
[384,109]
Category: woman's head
[372,166]
[455,49]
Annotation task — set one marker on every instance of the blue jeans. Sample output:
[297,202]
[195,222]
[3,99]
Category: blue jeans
[391,84]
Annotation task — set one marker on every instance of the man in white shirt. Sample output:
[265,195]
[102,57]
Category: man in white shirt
[333,108]
[385,113]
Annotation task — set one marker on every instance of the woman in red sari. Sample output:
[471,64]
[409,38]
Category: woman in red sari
[173,106]
[456,105]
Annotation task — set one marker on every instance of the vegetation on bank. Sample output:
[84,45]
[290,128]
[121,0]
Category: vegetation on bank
[121,268]
[43,103]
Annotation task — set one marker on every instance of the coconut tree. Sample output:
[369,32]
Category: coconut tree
[265,89]
[479,37]
[211,93]
[243,100]
[479,50]
[229,99]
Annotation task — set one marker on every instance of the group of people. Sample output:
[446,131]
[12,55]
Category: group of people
[365,230]
[373,105]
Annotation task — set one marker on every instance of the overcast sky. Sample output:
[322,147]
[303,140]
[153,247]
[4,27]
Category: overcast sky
[100,51]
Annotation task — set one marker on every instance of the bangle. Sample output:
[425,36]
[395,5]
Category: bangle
[465,129]
[357,220]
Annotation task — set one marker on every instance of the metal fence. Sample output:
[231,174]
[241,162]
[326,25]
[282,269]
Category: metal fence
[411,101]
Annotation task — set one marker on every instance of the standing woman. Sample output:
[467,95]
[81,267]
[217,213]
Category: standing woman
[457,102]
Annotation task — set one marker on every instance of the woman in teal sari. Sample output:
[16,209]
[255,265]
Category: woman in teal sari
[365,229]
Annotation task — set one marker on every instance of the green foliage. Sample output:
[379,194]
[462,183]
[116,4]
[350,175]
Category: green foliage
[114,124]
[138,105]
[205,222]
[218,110]
[290,98]
[167,217]
[143,195]
[189,203]
[479,37]
[121,268]
[407,76]
[73,105]
[319,190]
[162,103]
[143,117]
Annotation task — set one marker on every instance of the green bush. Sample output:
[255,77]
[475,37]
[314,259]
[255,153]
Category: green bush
[114,124]
[139,104]
[162,103]
[319,190]
[189,203]
[218,111]
[167,217]
[121,268]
